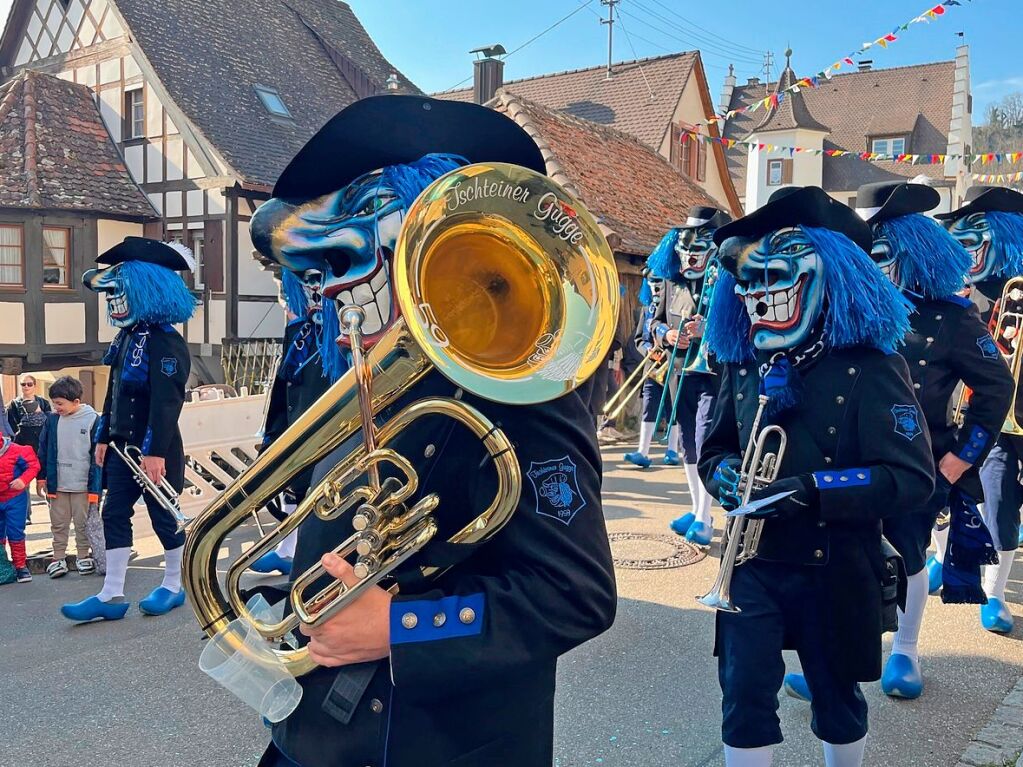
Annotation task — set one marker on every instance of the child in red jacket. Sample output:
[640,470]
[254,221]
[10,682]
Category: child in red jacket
[18,467]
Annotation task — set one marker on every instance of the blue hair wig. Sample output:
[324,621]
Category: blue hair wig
[335,362]
[155,294]
[861,306]
[646,296]
[410,179]
[294,293]
[664,262]
[930,260]
[1007,242]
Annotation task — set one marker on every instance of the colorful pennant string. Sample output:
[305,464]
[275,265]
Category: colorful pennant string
[998,178]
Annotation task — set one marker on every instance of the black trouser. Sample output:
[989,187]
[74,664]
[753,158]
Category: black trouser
[781,606]
[695,408]
[123,493]
[1003,491]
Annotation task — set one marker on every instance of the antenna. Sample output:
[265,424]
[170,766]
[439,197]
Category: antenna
[610,21]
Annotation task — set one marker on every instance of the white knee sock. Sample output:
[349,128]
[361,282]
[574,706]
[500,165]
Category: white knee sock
[693,484]
[703,508]
[749,757]
[996,576]
[940,538]
[172,573]
[117,569]
[286,548]
[675,439]
[646,436]
[845,755]
[906,638]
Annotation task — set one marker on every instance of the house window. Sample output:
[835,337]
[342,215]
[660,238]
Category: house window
[56,256]
[134,114]
[272,101]
[890,146]
[198,241]
[701,163]
[12,255]
[774,172]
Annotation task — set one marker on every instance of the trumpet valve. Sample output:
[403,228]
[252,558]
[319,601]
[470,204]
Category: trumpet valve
[369,543]
[367,516]
[365,566]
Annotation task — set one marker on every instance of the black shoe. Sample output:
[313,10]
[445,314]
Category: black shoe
[23,575]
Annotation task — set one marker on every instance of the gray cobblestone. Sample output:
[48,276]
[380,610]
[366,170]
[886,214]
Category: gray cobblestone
[1000,742]
[983,755]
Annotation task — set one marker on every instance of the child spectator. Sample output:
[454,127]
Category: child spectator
[18,467]
[69,476]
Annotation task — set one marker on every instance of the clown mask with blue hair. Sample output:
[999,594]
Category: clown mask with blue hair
[145,291]
[301,294]
[349,236]
[919,256]
[994,240]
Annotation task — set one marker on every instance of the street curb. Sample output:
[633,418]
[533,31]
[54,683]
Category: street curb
[1000,742]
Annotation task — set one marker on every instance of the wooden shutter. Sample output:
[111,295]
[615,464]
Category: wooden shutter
[675,147]
[213,255]
[701,163]
[88,379]
[153,230]
[786,171]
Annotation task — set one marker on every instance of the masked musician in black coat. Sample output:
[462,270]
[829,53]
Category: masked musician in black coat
[990,227]
[682,259]
[651,297]
[805,319]
[458,670]
[947,343]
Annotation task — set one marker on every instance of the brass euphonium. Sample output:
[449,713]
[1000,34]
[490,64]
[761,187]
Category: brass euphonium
[508,288]
[1006,327]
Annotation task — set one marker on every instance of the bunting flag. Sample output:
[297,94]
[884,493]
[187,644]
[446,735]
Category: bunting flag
[998,178]
[984,158]
[848,60]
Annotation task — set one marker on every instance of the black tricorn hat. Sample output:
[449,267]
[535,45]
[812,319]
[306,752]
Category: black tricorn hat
[802,206]
[176,258]
[987,199]
[890,199]
[705,215]
[380,131]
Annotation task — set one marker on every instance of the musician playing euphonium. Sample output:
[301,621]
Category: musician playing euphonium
[946,344]
[459,669]
[990,227]
[299,382]
[803,317]
[681,260]
[149,367]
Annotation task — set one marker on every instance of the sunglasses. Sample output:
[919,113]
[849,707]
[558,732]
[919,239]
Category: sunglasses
[28,385]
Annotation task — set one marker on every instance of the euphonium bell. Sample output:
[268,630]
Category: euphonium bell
[508,288]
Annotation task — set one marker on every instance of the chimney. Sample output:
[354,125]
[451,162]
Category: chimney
[753,81]
[866,64]
[487,72]
[726,91]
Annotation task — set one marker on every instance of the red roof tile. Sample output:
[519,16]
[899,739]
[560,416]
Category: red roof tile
[55,152]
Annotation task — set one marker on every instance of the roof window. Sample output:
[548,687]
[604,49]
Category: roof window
[272,101]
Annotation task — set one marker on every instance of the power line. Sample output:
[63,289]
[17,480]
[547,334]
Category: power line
[689,43]
[702,45]
[533,39]
[636,56]
[693,24]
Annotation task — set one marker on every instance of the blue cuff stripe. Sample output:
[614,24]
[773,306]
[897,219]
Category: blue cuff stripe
[147,442]
[836,480]
[975,445]
[454,624]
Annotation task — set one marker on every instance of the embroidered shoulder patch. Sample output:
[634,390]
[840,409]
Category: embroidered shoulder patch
[907,421]
[556,485]
[169,366]
[987,347]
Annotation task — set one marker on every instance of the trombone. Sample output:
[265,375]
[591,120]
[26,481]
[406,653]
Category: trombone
[1005,325]
[163,492]
[653,367]
[759,469]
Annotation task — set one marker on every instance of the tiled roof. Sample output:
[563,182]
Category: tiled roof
[210,54]
[55,152]
[633,191]
[915,101]
[623,102]
[791,112]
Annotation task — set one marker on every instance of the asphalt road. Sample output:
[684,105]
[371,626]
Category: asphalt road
[643,695]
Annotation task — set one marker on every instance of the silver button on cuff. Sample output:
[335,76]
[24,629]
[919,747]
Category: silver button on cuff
[818,554]
[429,451]
[439,619]
[467,615]
[409,620]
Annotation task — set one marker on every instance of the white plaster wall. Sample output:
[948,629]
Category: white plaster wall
[12,323]
[807,169]
[109,233]
[253,280]
[194,331]
[260,319]
[65,323]
[218,321]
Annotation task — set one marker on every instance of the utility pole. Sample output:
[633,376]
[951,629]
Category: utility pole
[610,21]
[768,66]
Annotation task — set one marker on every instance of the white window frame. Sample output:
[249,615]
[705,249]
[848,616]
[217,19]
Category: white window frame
[772,166]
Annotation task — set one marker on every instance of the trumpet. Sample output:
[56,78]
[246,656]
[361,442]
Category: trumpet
[653,367]
[513,301]
[163,492]
[759,469]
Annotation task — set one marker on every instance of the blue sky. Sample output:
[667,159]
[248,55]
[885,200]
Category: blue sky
[429,40]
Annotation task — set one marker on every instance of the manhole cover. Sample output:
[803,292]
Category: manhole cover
[642,551]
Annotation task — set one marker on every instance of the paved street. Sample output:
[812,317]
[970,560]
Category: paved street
[643,695]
